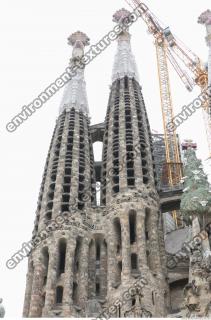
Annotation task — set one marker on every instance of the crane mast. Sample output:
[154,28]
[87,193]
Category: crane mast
[173,160]
[171,144]
[191,72]
[187,64]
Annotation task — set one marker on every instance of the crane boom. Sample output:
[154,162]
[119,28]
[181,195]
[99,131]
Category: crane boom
[192,73]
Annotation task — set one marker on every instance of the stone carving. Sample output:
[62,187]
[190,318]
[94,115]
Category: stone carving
[205,17]
[191,292]
[137,311]
[92,306]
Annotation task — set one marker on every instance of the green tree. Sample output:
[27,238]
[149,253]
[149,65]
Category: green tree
[196,198]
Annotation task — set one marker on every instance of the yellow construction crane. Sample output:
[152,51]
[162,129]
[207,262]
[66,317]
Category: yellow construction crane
[190,70]
[173,159]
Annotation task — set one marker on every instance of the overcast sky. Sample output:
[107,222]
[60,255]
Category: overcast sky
[34,52]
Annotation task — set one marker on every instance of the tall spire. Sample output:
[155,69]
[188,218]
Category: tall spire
[124,63]
[75,91]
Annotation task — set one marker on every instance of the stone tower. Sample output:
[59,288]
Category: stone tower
[50,288]
[129,190]
[107,259]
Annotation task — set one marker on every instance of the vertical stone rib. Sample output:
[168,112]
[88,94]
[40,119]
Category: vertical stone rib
[75,164]
[154,241]
[48,180]
[151,167]
[111,260]
[141,240]
[136,139]
[103,269]
[86,192]
[126,252]
[105,154]
[91,269]
[122,143]
[109,161]
[83,272]
[60,172]
[68,277]
[51,279]
[36,295]
[29,283]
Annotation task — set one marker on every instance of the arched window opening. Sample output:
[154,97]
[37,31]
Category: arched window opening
[126,83]
[97,289]
[75,292]
[118,274]
[117,230]
[132,223]
[77,254]
[97,250]
[153,298]
[147,226]
[45,254]
[59,294]
[48,216]
[43,299]
[134,262]
[62,256]
[177,294]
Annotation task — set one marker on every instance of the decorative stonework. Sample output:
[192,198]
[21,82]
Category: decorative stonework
[124,63]
[75,91]
[78,36]
[205,17]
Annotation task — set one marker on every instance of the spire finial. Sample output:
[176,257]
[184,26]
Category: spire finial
[124,64]
[205,17]
[120,15]
[75,91]
[78,40]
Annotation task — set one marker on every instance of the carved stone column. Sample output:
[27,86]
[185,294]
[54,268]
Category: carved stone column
[68,278]
[51,280]
[83,273]
[126,252]
[29,282]
[36,296]
[112,263]
[141,240]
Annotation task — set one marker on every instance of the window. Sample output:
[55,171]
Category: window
[134,261]
[62,256]
[132,223]
[59,294]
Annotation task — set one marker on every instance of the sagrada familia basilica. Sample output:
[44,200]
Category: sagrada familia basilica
[118,251]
